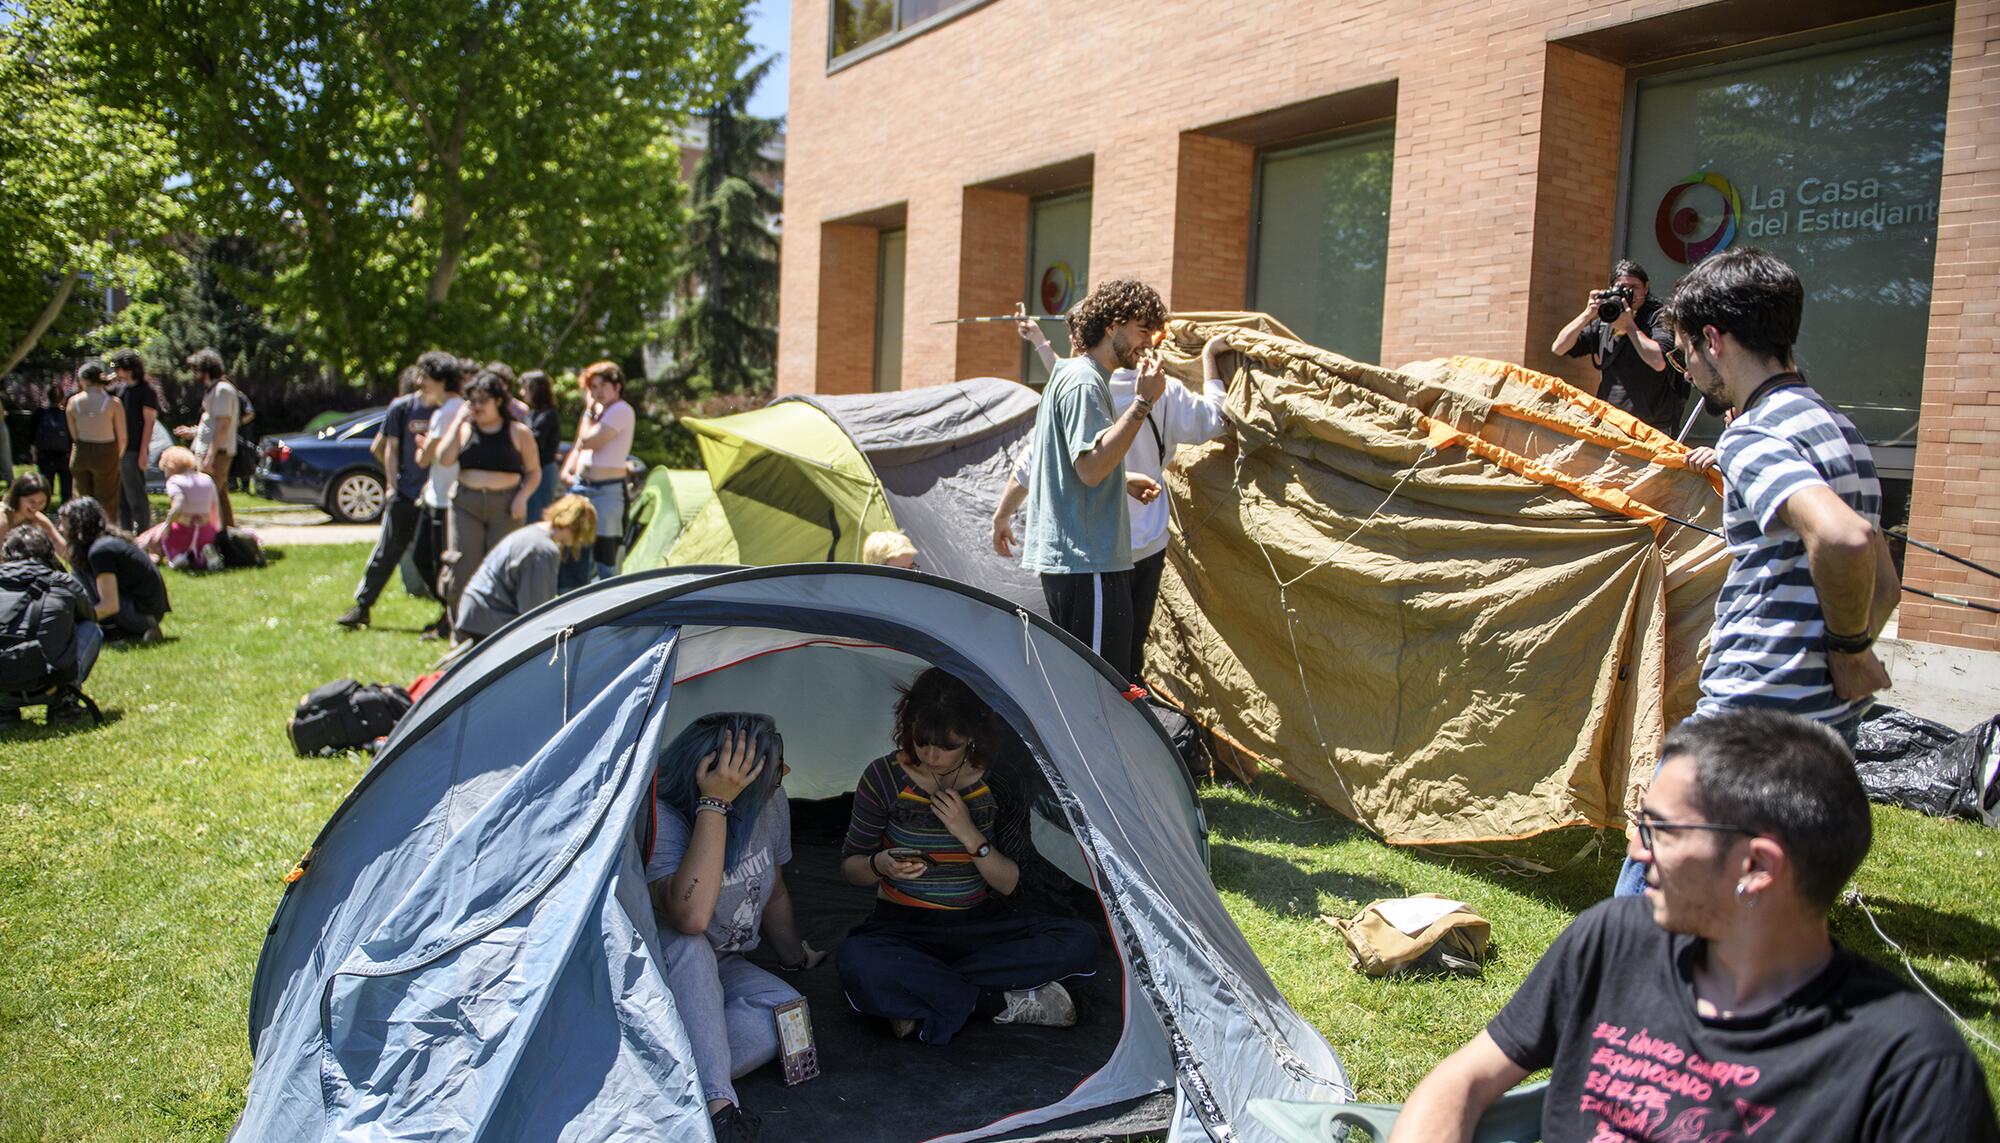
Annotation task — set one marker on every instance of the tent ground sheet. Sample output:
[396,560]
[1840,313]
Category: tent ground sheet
[873,1086]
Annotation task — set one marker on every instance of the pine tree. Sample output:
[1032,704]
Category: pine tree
[723,332]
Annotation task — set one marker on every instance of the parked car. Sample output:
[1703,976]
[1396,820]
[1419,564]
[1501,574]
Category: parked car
[335,468]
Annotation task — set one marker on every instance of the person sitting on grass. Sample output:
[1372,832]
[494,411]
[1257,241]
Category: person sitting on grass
[1717,1006]
[186,540]
[718,887]
[129,595]
[519,574]
[27,503]
[939,845]
[66,636]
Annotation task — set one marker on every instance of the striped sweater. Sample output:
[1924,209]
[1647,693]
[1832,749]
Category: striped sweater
[890,810]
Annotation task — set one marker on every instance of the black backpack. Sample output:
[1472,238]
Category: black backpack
[345,715]
[37,627]
[51,432]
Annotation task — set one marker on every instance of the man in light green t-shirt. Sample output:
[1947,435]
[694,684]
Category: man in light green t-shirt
[1078,539]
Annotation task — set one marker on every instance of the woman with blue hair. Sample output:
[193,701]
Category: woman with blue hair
[718,886]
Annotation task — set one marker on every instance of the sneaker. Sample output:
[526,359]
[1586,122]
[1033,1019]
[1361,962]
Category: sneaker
[902,1028]
[734,1125]
[438,630]
[153,634]
[1049,1006]
[357,616]
[67,710]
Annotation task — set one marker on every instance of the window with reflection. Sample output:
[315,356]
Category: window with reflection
[1322,239]
[1829,156]
[859,23]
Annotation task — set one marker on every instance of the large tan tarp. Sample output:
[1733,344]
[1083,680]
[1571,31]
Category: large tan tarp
[1450,600]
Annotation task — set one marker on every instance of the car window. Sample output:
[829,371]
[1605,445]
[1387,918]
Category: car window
[362,428]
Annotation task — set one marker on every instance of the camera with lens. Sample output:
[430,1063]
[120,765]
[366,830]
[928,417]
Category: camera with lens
[1612,302]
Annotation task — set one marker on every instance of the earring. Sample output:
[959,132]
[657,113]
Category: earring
[1743,895]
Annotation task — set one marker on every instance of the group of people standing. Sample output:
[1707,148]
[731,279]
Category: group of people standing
[464,458]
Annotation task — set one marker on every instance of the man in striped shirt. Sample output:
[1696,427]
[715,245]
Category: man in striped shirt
[1811,582]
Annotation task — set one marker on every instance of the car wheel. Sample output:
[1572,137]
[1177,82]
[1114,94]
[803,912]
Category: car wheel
[356,498]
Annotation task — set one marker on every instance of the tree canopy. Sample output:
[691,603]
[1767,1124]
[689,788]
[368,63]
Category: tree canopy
[495,177]
[84,198]
[723,333]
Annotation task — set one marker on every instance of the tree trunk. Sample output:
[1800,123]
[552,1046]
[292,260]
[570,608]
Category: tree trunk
[48,318]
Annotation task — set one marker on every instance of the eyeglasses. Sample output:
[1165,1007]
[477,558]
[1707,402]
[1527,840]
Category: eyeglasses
[1678,356]
[1647,823]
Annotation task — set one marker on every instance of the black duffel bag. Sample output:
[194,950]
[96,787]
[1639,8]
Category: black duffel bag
[345,715]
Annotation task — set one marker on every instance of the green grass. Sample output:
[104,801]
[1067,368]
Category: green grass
[140,863]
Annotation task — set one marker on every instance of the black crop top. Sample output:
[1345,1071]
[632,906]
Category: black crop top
[492,452]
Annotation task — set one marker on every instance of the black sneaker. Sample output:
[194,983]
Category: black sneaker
[357,616]
[67,710]
[734,1125]
[438,630]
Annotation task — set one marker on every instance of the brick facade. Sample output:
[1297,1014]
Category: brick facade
[1508,120]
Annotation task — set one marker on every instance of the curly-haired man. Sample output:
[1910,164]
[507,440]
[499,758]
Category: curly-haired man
[1078,536]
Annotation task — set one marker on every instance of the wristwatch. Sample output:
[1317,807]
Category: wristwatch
[985,848]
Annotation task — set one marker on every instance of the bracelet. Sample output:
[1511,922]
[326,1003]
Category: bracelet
[1145,406]
[1846,644]
[706,802]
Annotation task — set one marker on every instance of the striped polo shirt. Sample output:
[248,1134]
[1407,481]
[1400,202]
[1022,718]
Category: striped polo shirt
[1765,650]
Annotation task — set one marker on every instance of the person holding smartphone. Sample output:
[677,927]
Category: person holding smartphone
[940,845]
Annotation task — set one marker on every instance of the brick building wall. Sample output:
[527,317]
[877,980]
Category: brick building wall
[1508,117]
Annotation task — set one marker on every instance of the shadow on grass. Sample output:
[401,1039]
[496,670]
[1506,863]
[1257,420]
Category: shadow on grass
[1571,869]
[39,729]
[1928,933]
[1282,887]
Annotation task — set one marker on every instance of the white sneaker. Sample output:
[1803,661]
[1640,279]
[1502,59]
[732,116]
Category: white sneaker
[1049,1006]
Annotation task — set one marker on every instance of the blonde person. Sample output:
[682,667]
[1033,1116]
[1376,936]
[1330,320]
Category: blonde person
[519,574]
[97,435]
[27,503]
[214,438]
[498,469]
[890,550]
[187,539]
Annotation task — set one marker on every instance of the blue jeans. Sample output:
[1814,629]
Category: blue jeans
[608,497]
[89,641]
[544,493]
[725,1004]
[1632,875]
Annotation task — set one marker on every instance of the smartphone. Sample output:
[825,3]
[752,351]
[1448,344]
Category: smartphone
[908,853]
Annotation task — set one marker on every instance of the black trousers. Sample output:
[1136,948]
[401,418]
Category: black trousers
[1145,597]
[400,518]
[933,966]
[1096,607]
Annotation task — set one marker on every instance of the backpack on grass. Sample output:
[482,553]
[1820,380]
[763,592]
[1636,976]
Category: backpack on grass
[37,628]
[345,715]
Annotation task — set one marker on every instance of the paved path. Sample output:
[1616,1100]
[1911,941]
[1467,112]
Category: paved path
[286,527]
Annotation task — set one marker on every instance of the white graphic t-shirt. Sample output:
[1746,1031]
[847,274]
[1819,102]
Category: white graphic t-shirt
[739,911]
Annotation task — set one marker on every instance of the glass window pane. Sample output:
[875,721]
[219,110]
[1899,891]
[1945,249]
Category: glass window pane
[1058,271]
[915,10]
[857,22]
[889,310]
[1829,157]
[1323,241]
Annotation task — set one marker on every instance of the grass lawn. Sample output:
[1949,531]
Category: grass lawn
[140,863]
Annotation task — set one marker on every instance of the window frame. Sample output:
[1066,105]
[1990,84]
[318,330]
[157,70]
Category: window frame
[895,36]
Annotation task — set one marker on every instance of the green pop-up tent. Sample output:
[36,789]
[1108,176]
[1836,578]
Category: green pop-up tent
[789,487]
[671,497]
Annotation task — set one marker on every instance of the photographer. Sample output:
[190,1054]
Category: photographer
[1622,331]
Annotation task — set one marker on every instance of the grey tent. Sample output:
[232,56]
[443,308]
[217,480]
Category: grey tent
[468,951]
[807,477]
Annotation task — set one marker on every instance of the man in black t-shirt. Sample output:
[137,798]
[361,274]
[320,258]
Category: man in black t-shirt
[142,412]
[1630,352]
[405,427]
[1717,1008]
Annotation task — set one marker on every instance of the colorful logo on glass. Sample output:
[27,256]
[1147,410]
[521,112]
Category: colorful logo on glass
[1676,225]
[1057,286]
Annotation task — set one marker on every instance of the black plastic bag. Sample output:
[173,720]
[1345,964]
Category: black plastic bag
[1926,766]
